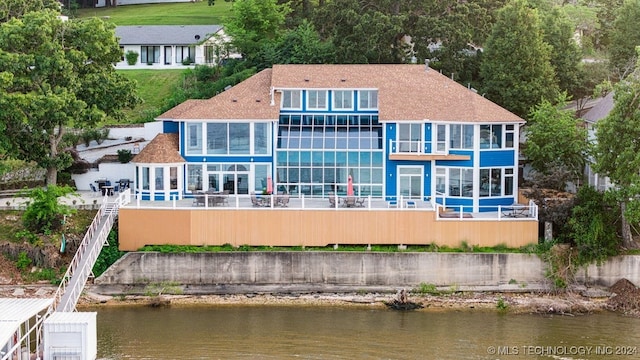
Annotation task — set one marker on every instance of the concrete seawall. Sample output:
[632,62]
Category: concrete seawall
[246,272]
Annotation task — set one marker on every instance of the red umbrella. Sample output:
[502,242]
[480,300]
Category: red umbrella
[269,185]
[350,186]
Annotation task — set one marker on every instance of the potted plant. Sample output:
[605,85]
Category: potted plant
[131,57]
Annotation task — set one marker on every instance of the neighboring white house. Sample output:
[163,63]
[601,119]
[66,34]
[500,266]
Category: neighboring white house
[164,46]
[103,3]
[596,113]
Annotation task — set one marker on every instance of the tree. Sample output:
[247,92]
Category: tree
[516,69]
[625,36]
[617,151]
[555,140]
[56,74]
[255,24]
[10,9]
[565,55]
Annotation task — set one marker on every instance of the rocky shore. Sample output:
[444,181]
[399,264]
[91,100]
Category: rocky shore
[577,301]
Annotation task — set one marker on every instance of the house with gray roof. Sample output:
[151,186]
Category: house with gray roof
[598,112]
[164,46]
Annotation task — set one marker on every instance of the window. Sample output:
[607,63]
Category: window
[122,53]
[239,138]
[291,99]
[343,99]
[194,138]
[317,99]
[159,178]
[368,99]
[460,182]
[217,138]
[260,138]
[409,137]
[490,136]
[194,177]
[509,134]
[145,178]
[209,54]
[461,136]
[491,182]
[173,178]
[441,138]
[185,54]
[149,54]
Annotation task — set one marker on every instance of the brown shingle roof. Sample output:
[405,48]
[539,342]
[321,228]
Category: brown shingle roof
[405,92]
[163,149]
[250,99]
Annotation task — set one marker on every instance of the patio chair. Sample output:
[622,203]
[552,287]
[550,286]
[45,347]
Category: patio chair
[225,197]
[94,190]
[332,199]
[198,199]
[254,200]
[283,200]
[350,201]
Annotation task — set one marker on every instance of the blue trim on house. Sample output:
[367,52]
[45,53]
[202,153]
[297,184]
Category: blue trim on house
[170,127]
[497,158]
[484,203]
[456,203]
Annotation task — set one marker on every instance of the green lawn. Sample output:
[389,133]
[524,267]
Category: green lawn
[191,13]
[154,86]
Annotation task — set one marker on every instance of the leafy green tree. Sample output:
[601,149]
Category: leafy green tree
[255,24]
[56,74]
[565,54]
[301,45]
[10,9]
[592,226]
[44,212]
[555,140]
[617,151]
[625,36]
[516,70]
[363,32]
[606,13]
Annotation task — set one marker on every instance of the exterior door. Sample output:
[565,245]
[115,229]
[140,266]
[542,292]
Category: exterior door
[236,180]
[410,182]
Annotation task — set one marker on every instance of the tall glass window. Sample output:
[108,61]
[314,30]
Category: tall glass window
[460,136]
[185,54]
[239,138]
[194,177]
[460,182]
[145,178]
[159,178]
[194,138]
[291,99]
[173,178]
[217,138]
[316,156]
[368,99]
[260,138]
[491,182]
[490,136]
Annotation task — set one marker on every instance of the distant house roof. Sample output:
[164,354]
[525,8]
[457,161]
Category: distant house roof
[165,34]
[405,93]
[163,149]
[600,110]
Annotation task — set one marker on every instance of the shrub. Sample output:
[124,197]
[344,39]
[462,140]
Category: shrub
[131,57]
[44,213]
[124,156]
[23,261]
[187,61]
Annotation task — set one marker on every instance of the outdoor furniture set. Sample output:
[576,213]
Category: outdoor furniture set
[281,200]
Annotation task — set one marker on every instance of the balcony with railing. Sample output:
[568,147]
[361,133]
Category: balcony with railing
[419,150]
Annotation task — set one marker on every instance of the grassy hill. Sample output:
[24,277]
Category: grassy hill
[191,13]
[154,86]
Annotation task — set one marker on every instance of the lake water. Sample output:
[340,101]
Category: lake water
[300,332]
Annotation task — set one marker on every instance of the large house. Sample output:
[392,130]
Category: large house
[396,130]
[163,46]
[352,154]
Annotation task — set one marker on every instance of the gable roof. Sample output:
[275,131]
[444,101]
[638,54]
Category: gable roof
[165,34]
[405,93]
[600,110]
[163,149]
